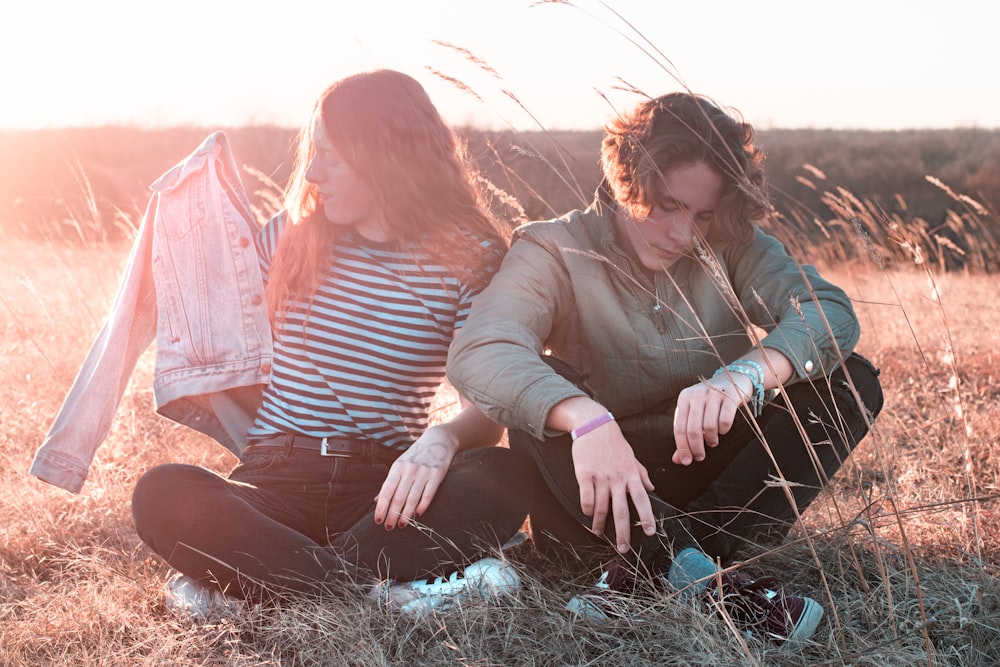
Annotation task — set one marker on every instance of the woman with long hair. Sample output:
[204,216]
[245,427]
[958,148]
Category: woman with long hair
[369,271]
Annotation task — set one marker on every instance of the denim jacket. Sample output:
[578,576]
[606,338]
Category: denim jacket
[193,281]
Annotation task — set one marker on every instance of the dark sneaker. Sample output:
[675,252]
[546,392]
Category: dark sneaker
[759,608]
[610,600]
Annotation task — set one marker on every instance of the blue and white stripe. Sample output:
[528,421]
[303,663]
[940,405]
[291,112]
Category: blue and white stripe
[368,358]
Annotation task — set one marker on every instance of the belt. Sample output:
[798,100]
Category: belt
[348,448]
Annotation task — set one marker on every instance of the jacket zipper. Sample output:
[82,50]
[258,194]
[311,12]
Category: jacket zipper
[656,309]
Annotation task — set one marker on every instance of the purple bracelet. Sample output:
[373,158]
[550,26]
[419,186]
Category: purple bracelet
[596,422]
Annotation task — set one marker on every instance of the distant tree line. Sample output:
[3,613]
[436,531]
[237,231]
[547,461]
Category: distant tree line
[838,195]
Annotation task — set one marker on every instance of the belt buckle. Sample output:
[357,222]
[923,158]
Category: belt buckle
[325,451]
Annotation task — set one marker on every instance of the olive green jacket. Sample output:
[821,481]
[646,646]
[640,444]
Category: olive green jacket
[567,287]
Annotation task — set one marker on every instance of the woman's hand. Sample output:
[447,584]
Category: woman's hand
[706,411]
[415,476]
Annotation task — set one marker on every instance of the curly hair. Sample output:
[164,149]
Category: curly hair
[680,129]
[387,129]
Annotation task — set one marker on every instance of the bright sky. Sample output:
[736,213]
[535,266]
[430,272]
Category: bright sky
[876,64]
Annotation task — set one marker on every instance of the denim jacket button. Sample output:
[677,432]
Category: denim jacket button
[256,300]
[265,368]
[244,242]
[808,366]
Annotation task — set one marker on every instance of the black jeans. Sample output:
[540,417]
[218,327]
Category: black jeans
[729,498]
[295,521]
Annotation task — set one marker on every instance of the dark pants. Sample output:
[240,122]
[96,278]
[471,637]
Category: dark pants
[294,521]
[732,496]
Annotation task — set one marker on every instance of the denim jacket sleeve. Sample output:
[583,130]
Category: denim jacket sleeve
[193,282]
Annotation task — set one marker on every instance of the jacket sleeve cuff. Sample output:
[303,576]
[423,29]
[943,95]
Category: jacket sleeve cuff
[531,409]
[811,353]
[59,471]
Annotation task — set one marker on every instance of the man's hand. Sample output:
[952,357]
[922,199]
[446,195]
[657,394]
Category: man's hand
[609,474]
[706,411]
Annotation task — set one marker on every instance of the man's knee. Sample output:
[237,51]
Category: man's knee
[863,376]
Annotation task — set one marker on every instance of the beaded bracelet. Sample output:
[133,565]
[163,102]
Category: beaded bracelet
[758,383]
[755,366]
[752,370]
[594,423]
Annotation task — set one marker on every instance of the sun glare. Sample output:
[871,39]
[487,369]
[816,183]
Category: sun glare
[152,64]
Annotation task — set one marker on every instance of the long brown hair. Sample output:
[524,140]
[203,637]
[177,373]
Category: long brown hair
[680,129]
[386,128]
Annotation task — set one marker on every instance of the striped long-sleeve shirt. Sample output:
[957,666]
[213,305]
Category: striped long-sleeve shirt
[369,356]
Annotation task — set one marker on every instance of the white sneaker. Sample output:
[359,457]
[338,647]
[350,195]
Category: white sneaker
[186,597]
[486,578]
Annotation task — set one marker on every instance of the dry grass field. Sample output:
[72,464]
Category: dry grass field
[903,550]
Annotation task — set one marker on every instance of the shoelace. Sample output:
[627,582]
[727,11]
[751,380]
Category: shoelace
[617,577]
[440,585]
[749,599]
[603,581]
